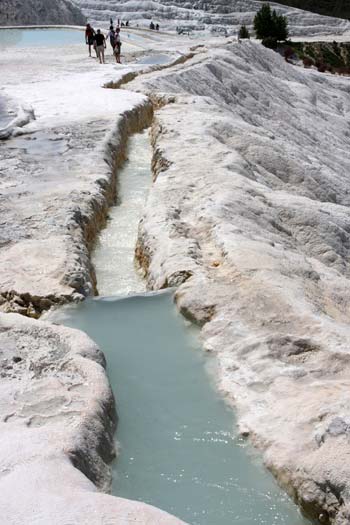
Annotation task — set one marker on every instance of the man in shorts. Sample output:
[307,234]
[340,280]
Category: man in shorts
[89,37]
[100,46]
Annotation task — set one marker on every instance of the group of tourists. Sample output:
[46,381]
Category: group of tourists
[98,41]
[152,26]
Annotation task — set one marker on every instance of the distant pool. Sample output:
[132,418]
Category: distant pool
[155,59]
[40,37]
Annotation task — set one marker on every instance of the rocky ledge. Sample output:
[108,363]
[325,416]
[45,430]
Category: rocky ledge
[44,249]
[213,15]
[249,217]
[39,12]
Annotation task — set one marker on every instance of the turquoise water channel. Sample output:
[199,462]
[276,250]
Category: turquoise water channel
[40,37]
[178,447]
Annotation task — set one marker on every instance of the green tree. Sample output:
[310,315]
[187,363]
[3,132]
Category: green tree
[243,32]
[268,24]
[280,24]
[263,22]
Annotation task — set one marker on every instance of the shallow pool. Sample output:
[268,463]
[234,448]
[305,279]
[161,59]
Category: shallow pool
[155,60]
[40,37]
[178,447]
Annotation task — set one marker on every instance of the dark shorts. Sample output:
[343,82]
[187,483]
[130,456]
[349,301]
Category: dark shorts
[90,41]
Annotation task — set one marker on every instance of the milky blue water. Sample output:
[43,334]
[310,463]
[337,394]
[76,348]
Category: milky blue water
[40,37]
[155,59]
[178,446]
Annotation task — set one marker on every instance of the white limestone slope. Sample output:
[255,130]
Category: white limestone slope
[249,215]
[227,13]
[58,172]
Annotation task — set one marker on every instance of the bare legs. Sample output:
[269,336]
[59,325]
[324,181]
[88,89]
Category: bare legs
[101,54]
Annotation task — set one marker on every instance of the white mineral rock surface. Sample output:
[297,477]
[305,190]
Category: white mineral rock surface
[57,175]
[206,14]
[250,212]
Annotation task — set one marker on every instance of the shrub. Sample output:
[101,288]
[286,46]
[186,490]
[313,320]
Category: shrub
[270,42]
[321,67]
[288,53]
[243,32]
[336,47]
[280,26]
[268,24]
[343,70]
[308,62]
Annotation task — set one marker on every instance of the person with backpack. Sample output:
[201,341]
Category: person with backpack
[118,44]
[100,46]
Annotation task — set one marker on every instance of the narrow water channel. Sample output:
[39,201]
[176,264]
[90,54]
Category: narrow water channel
[177,443]
[178,449]
[113,257]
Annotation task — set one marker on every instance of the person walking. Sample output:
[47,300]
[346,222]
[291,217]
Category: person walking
[111,36]
[118,45]
[100,46]
[89,37]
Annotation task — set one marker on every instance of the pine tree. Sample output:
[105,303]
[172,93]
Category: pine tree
[280,24]
[263,22]
[268,24]
[243,32]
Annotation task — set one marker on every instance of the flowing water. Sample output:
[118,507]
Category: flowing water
[178,447]
[40,37]
[113,257]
